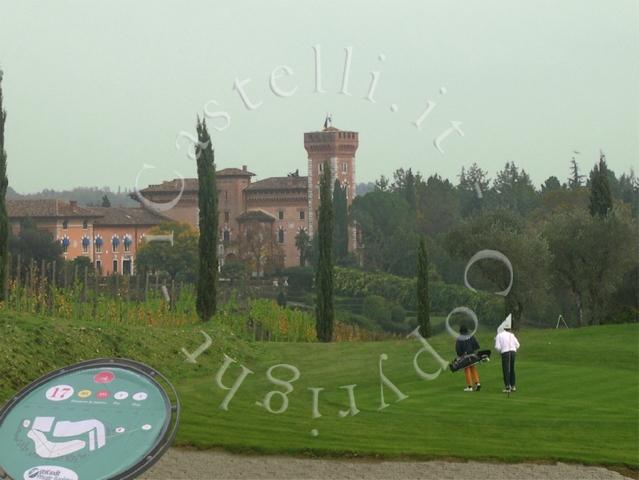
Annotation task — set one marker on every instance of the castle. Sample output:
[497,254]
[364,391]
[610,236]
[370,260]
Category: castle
[280,205]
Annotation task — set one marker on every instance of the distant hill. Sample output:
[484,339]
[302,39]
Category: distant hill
[89,196]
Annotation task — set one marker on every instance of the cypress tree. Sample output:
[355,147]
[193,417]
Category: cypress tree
[423,299]
[4,220]
[324,274]
[340,233]
[206,302]
[600,195]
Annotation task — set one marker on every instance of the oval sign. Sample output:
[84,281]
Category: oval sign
[103,419]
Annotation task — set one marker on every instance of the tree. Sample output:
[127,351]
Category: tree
[473,188]
[303,244]
[324,312]
[206,302]
[256,244]
[629,191]
[600,195]
[550,185]
[505,231]
[590,256]
[438,206]
[179,260]
[105,201]
[388,232]
[513,189]
[4,218]
[382,184]
[576,179]
[340,232]
[406,184]
[34,244]
[423,299]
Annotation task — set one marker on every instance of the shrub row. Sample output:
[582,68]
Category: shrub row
[400,290]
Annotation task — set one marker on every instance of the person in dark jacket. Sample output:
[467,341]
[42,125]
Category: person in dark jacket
[464,346]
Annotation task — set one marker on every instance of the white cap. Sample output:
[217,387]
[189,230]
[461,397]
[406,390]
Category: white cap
[508,323]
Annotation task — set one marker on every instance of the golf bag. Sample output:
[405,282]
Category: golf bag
[469,359]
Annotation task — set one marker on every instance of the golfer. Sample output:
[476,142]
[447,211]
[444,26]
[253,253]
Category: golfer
[507,344]
[465,346]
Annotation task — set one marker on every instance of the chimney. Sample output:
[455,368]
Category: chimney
[244,168]
[74,205]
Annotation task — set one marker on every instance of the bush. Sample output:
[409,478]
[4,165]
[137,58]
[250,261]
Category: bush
[281,299]
[299,278]
[376,308]
[361,321]
[234,270]
[398,314]
[443,296]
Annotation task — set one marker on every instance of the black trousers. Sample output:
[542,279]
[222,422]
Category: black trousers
[508,368]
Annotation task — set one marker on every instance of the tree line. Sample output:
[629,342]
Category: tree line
[573,246]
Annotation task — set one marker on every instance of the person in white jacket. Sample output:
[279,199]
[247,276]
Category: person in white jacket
[507,344]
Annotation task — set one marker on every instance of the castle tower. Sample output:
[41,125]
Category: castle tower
[338,147]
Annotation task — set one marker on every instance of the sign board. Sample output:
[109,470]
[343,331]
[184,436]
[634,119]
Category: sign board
[102,419]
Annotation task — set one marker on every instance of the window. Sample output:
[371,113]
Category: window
[127,243]
[65,244]
[115,266]
[280,214]
[85,244]
[302,214]
[98,266]
[280,235]
[85,224]
[321,167]
[115,243]
[226,195]
[227,216]
[226,238]
[65,224]
[344,167]
[98,244]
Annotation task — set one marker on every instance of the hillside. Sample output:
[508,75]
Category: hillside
[576,400]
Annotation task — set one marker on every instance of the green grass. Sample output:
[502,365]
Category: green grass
[578,398]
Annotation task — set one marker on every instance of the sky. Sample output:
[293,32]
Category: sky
[106,93]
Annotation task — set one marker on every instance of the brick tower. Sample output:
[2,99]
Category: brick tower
[338,147]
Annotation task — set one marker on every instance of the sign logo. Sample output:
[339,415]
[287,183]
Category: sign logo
[49,472]
[104,377]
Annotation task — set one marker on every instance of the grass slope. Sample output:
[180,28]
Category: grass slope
[578,397]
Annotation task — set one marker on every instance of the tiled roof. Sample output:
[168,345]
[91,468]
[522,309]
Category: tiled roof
[191,184]
[128,216]
[46,208]
[255,215]
[279,183]
[234,172]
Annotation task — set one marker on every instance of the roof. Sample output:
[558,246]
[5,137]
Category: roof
[128,216]
[46,208]
[279,183]
[192,184]
[234,172]
[255,215]
[175,185]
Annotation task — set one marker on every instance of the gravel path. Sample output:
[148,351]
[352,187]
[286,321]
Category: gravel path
[215,464]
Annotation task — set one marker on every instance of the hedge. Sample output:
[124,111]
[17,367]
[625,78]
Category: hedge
[443,296]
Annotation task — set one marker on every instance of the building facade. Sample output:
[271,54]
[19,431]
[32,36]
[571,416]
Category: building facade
[108,236]
[292,202]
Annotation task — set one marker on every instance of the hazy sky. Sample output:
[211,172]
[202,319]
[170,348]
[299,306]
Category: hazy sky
[96,90]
